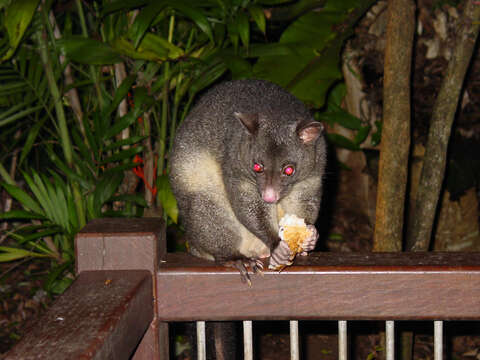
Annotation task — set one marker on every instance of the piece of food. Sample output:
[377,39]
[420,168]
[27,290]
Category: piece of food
[292,231]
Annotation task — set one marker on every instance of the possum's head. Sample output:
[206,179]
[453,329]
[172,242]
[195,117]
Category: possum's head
[280,155]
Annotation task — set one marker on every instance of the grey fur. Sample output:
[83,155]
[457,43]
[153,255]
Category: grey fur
[211,169]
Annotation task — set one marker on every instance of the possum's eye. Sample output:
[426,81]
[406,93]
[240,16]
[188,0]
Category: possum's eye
[258,168]
[289,170]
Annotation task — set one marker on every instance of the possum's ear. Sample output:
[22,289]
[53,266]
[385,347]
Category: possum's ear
[309,131]
[250,121]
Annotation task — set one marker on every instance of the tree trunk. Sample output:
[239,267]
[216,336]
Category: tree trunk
[357,188]
[395,144]
[433,170]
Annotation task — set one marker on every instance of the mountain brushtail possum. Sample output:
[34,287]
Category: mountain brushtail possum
[246,155]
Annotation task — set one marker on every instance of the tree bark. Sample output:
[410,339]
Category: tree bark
[395,144]
[433,170]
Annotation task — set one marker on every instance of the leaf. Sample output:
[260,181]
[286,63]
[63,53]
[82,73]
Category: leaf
[85,158]
[121,124]
[166,197]
[337,94]
[272,2]
[342,141]
[20,214]
[377,135]
[14,109]
[40,234]
[345,119]
[23,198]
[259,17]
[362,134]
[18,16]
[196,15]
[75,215]
[158,45]
[132,140]
[10,87]
[125,47]
[119,170]
[89,136]
[88,51]
[52,283]
[273,50]
[104,190]
[10,253]
[20,114]
[243,27]
[5,175]
[142,98]
[41,247]
[4,3]
[59,193]
[40,191]
[120,94]
[59,286]
[122,5]
[32,136]
[66,170]
[144,19]
[122,155]
[207,78]
[306,71]
[233,34]
[239,67]
[315,41]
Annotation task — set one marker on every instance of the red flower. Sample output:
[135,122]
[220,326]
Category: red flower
[138,170]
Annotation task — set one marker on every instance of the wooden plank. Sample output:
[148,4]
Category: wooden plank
[103,315]
[330,286]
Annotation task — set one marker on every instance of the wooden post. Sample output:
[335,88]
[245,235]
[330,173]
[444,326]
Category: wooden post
[128,244]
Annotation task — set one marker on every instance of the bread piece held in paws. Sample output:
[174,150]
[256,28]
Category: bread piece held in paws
[293,232]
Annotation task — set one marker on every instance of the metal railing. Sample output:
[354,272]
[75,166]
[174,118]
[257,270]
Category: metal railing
[342,340]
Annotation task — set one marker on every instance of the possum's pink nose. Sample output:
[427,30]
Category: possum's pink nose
[269,195]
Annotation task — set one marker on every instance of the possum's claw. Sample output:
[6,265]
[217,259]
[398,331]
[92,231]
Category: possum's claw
[243,265]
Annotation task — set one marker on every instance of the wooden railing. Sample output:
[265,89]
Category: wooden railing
[129,288]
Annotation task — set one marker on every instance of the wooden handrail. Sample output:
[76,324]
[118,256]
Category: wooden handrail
[109,311]
[328,286]
[103,315]
[119,259]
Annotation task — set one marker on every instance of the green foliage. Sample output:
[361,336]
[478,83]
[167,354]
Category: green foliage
[334,114]
[89,51]
[18,15]
[308,61]
[73,157]
[167,198]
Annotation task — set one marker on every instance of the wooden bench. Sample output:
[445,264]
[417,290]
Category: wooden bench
[133,288]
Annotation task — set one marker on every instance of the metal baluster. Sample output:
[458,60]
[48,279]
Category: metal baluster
[390,340]
[201,343]
[438,339]
[247,340]
[294,349]
[342,340]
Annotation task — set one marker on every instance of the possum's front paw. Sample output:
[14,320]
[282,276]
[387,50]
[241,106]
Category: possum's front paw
[310,242]
[281,256]
[243,265]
